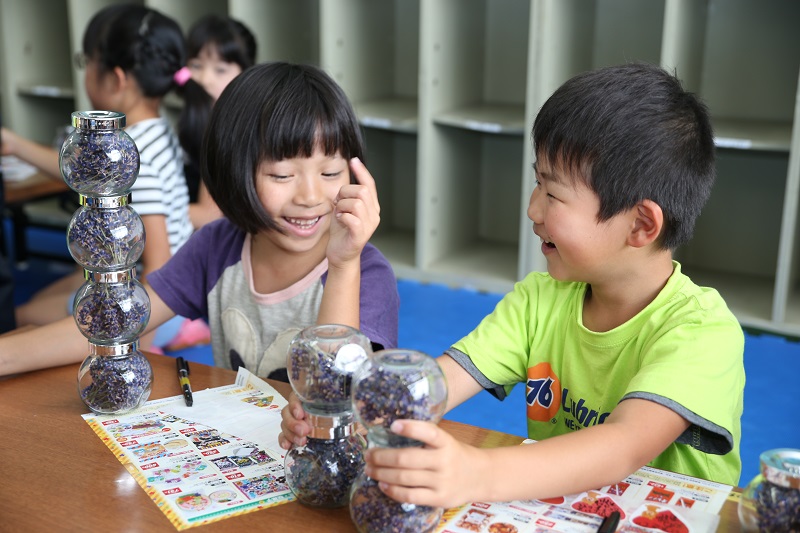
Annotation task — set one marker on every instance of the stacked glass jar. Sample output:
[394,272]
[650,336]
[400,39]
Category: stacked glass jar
[392,385]
[771,501]
[320,364]
[106,237]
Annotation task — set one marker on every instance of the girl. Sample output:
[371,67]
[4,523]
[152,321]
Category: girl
[219,49]
[283,162]
[130,54]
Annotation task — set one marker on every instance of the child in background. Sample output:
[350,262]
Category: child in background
[283,161]
[131,54]
[625,361]
[219,49]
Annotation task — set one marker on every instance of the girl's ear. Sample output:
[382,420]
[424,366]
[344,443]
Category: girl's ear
[647,223]
[120,79]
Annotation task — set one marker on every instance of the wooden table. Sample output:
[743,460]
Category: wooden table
[36,186]
[57,475]
[17,194]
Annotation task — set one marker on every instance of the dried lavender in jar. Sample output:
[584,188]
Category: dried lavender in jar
[771,501]
[322,472]
[384,396]
[320,363]
[324,382]
[112,313]
[99,158]
[373,511]
[106,239]
[115,383]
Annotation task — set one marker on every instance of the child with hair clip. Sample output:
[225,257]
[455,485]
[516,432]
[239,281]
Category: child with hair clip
[131,55]
[625,361]
[283,160]
[219,49]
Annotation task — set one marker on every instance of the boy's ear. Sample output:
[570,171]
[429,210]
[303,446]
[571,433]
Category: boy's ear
[647,223]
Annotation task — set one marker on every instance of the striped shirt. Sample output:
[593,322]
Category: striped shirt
[160,188]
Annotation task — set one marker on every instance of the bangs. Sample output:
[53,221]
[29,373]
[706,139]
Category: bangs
[306,122]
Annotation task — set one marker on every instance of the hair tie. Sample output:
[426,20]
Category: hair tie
[182,76]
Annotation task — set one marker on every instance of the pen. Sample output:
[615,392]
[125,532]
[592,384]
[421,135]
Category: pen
[183,378]
[609,523]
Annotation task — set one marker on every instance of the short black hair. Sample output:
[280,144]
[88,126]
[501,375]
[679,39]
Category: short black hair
[139,40]
[270,112]
[632,133]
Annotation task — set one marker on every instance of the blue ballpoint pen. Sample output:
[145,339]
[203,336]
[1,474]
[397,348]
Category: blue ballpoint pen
[183,377]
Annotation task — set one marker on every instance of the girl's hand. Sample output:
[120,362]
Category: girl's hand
[356,216]
[294,428]
[444,473]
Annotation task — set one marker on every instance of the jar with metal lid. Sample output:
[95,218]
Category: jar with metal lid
[320,365]
[114,379]
[99,158]
[771,501]
[105,234]
[111,307]
[393,385]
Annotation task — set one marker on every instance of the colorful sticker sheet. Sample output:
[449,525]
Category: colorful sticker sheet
[199,464]
[650,500]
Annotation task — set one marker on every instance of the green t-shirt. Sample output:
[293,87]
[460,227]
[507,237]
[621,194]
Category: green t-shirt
[684,351]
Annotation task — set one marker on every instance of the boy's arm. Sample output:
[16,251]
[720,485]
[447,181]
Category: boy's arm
[42,157]
[448,473]
[461,386]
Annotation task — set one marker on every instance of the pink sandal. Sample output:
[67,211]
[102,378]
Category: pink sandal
[191,333]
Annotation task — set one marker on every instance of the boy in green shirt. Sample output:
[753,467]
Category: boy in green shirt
[625,361]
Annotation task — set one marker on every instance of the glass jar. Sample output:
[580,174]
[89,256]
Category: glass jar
[321,473]
[105,234]
[114,379]
[99,158]
[111,307]
[771,501]
[394,384]
[320,365]
[397,384]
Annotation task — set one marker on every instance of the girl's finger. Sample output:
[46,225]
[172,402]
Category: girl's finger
[364,177]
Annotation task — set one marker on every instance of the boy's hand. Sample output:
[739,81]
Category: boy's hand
[442,474]
[294,428]
[356,215]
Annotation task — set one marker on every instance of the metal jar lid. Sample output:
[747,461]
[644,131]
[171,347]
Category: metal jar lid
[114,276]
[331,427]
[98,120]
[113,350]
[105,202]
[781,467]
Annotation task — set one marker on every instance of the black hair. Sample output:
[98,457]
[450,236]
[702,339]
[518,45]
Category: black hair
[235,44]
[270,112]
[141,41]
[631,132]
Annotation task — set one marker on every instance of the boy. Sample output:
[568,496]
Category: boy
[626,362]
